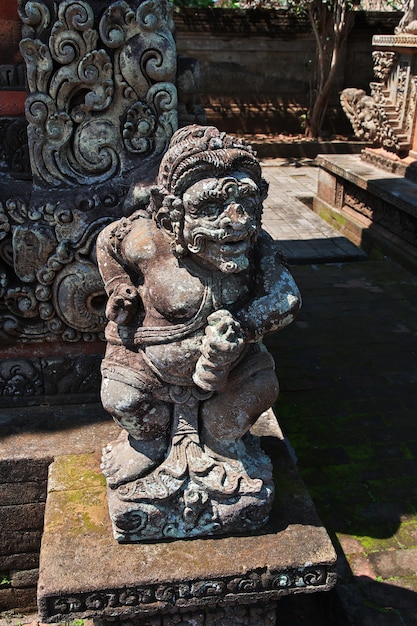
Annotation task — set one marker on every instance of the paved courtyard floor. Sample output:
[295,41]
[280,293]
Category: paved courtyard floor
[348,405]
[348,373]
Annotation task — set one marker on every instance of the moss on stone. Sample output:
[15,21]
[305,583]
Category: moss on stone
[72,470]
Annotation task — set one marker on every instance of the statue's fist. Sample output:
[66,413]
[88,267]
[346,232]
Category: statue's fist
[220,347]
[122,304]
[223,336]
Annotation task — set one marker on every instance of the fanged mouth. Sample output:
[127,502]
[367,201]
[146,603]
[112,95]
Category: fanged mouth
[234,246]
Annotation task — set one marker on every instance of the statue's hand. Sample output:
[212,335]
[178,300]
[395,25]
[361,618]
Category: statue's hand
[221,346]
[122,304]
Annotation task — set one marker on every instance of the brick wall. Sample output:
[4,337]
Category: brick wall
[22,504]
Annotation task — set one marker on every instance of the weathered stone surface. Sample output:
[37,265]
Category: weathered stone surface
[24,578]
[20,561]
[395,562]
[22,516]
[293,554]
[23,470]
[25,599]
[22,493]
[14,541]
[47,432]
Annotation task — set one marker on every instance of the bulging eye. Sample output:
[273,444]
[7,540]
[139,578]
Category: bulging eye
[210,211]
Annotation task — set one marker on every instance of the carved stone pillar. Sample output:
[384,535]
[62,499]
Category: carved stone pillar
[101,108]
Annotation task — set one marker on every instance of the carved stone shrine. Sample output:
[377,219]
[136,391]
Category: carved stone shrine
[193,286]
[372,199]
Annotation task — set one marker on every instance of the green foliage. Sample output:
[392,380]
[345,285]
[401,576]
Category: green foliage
[5,580]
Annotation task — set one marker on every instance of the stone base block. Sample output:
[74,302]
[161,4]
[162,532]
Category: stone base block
[85,573]
[211,495]
[376,209]
[261,614]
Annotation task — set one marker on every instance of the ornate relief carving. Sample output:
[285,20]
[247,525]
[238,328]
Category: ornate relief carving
[98,85]
[368,118]
[392,219]
[19,379]
[408,22]
[75,377]
[403,74]
[383,63]
[184,594]
[377,93]
[102,106]
[52,252]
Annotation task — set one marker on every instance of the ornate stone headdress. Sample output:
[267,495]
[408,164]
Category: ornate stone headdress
[198,150]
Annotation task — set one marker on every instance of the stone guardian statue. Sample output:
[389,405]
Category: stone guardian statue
[193,284]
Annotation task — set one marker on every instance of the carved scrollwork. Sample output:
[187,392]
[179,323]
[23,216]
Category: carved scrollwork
[117,20]
[143,598]
[20,378]
[78,298]
[75,134]
[35,17]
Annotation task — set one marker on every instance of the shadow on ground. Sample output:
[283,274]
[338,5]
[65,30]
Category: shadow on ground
[348,372]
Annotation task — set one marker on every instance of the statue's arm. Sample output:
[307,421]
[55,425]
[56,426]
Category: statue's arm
[123,298]
[276,300]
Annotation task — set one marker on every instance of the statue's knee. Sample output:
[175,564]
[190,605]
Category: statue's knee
[119,399]
[142,416]
[267,386]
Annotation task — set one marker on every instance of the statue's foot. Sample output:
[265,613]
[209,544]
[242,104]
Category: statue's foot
[223,450]
[127,459]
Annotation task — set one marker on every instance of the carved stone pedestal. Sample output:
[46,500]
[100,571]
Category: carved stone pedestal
[84,573]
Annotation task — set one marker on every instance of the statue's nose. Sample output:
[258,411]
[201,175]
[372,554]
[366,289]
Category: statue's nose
[234,215]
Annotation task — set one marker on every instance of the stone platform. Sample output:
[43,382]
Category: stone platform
[372,207]
[85,573]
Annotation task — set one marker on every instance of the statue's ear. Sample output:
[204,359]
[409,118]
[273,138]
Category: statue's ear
[264,186]
[157,196]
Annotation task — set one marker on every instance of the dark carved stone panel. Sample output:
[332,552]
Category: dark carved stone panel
[69,379]
[101,109]
[400,223]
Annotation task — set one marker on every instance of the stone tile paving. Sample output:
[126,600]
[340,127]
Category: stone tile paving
[304,236]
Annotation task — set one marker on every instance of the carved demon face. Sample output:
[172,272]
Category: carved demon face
[222,219]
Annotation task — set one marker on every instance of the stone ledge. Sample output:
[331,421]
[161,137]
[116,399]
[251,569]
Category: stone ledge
[393,188]
[85,573]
